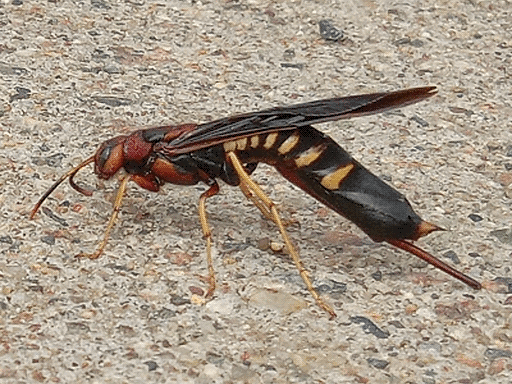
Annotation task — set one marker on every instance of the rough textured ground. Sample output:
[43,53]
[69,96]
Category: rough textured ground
[76,73]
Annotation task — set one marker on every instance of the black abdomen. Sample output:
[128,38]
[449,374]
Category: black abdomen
[318,165]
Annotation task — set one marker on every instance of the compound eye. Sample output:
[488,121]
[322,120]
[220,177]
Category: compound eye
[109,159]
[102,156]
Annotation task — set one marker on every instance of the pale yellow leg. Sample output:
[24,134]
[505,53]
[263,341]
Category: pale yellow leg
[207,233]
[270,207]
[115,212]
[258,203]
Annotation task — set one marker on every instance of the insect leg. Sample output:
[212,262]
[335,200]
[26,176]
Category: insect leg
[207,233]
[270,206]
[257,202]
[115,212]
[260,205]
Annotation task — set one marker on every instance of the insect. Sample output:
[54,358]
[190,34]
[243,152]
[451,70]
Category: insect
[230,149]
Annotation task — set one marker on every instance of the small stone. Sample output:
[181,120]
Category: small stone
[196,290]
[495,353]
[6,239]
[332,286]
[22,93]
[263,244]
[420,121]
[504,235]
[369,327]
[277,247]
[452,256]
[178,300]
[152,365]
[377,363]
[474,217]
[329,32]
[50,240]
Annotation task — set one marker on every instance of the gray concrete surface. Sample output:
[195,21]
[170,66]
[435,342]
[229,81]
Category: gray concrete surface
[76,73]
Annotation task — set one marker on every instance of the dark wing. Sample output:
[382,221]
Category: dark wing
[294,116]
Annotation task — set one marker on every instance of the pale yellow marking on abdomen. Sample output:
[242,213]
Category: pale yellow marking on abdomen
[270,140]
[288,144]
[241,144]
[229,146]
[333,180]
[255,141]
[309,156]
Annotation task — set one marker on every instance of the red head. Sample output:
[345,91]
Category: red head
[109,158]
[131,152]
